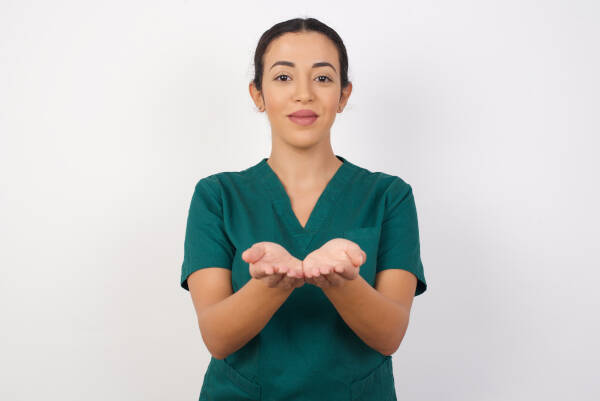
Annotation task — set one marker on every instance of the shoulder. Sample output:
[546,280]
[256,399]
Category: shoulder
[385,184]
[219,183]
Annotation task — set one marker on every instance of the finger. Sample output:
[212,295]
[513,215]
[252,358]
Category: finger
[327,277]
[257,271]
[341,269]
[322,282]
[357,256]
[332,276]
[314,272]
[273,280]
[274,269]
[335,280]
[257,275]
[325,269]
[254,253]
[295,274]
[281,269]
[349,272]
[310,269]
[250,255]
[287,282]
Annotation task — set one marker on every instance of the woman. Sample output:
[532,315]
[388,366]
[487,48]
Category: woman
[302,268]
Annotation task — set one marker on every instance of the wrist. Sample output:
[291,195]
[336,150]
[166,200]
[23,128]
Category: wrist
[276,291]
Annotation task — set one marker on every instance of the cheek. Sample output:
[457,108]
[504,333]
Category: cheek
[274,102]
[331,102]
[272,98]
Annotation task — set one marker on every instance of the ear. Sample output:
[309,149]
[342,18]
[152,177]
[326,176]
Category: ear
[256,96]
[344,97]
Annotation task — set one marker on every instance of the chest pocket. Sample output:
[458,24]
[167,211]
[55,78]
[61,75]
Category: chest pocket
[378,385]
[367,238]
[224,383]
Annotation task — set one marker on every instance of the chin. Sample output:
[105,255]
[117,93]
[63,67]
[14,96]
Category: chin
[305,139]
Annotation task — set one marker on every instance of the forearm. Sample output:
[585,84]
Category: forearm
[229,324]
[379,321]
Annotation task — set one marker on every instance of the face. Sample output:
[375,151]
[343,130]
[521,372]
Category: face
[298,84]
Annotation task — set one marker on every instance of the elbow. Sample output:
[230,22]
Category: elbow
[390,351]
[213,348]
[215,351]
[390,347]
[218,353]
[396,338]
[217,356]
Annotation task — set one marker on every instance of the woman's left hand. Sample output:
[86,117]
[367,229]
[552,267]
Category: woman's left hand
[333,264]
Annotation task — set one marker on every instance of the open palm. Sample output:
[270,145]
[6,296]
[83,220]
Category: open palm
[272,263]
[334,263]
[331,265]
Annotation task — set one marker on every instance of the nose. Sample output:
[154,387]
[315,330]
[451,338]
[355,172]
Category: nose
[303,91]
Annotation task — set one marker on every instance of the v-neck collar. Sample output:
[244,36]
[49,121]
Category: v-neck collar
[283,206]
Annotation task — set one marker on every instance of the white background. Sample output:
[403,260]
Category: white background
[111,111]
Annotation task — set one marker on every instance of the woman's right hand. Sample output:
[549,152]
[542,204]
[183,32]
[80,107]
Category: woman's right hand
[273,264]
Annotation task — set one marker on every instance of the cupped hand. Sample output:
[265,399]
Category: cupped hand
[273,264]
[333,264]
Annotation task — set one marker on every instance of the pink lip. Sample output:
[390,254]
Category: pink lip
[303,120]
[303,117]
[303,113]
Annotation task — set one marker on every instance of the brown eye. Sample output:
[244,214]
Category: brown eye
[326,78]
[282,75]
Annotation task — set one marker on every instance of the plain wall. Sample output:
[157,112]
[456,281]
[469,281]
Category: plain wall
[111,111]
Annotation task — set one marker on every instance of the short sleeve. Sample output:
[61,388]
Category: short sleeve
[206,242]
[399,246]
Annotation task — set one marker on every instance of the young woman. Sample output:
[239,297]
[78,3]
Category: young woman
[303,267]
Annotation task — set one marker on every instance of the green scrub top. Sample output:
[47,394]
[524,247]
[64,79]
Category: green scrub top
[306,351]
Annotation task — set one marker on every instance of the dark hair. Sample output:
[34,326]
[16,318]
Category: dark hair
[298,25]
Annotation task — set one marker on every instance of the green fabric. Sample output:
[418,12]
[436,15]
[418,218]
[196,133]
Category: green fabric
[306,351]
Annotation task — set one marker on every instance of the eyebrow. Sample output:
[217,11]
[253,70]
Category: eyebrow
[315,65]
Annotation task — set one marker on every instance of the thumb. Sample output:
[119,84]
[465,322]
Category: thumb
[253,254]
[357,256]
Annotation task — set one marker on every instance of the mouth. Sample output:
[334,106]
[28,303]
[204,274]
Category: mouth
[303,117]
[304,121]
